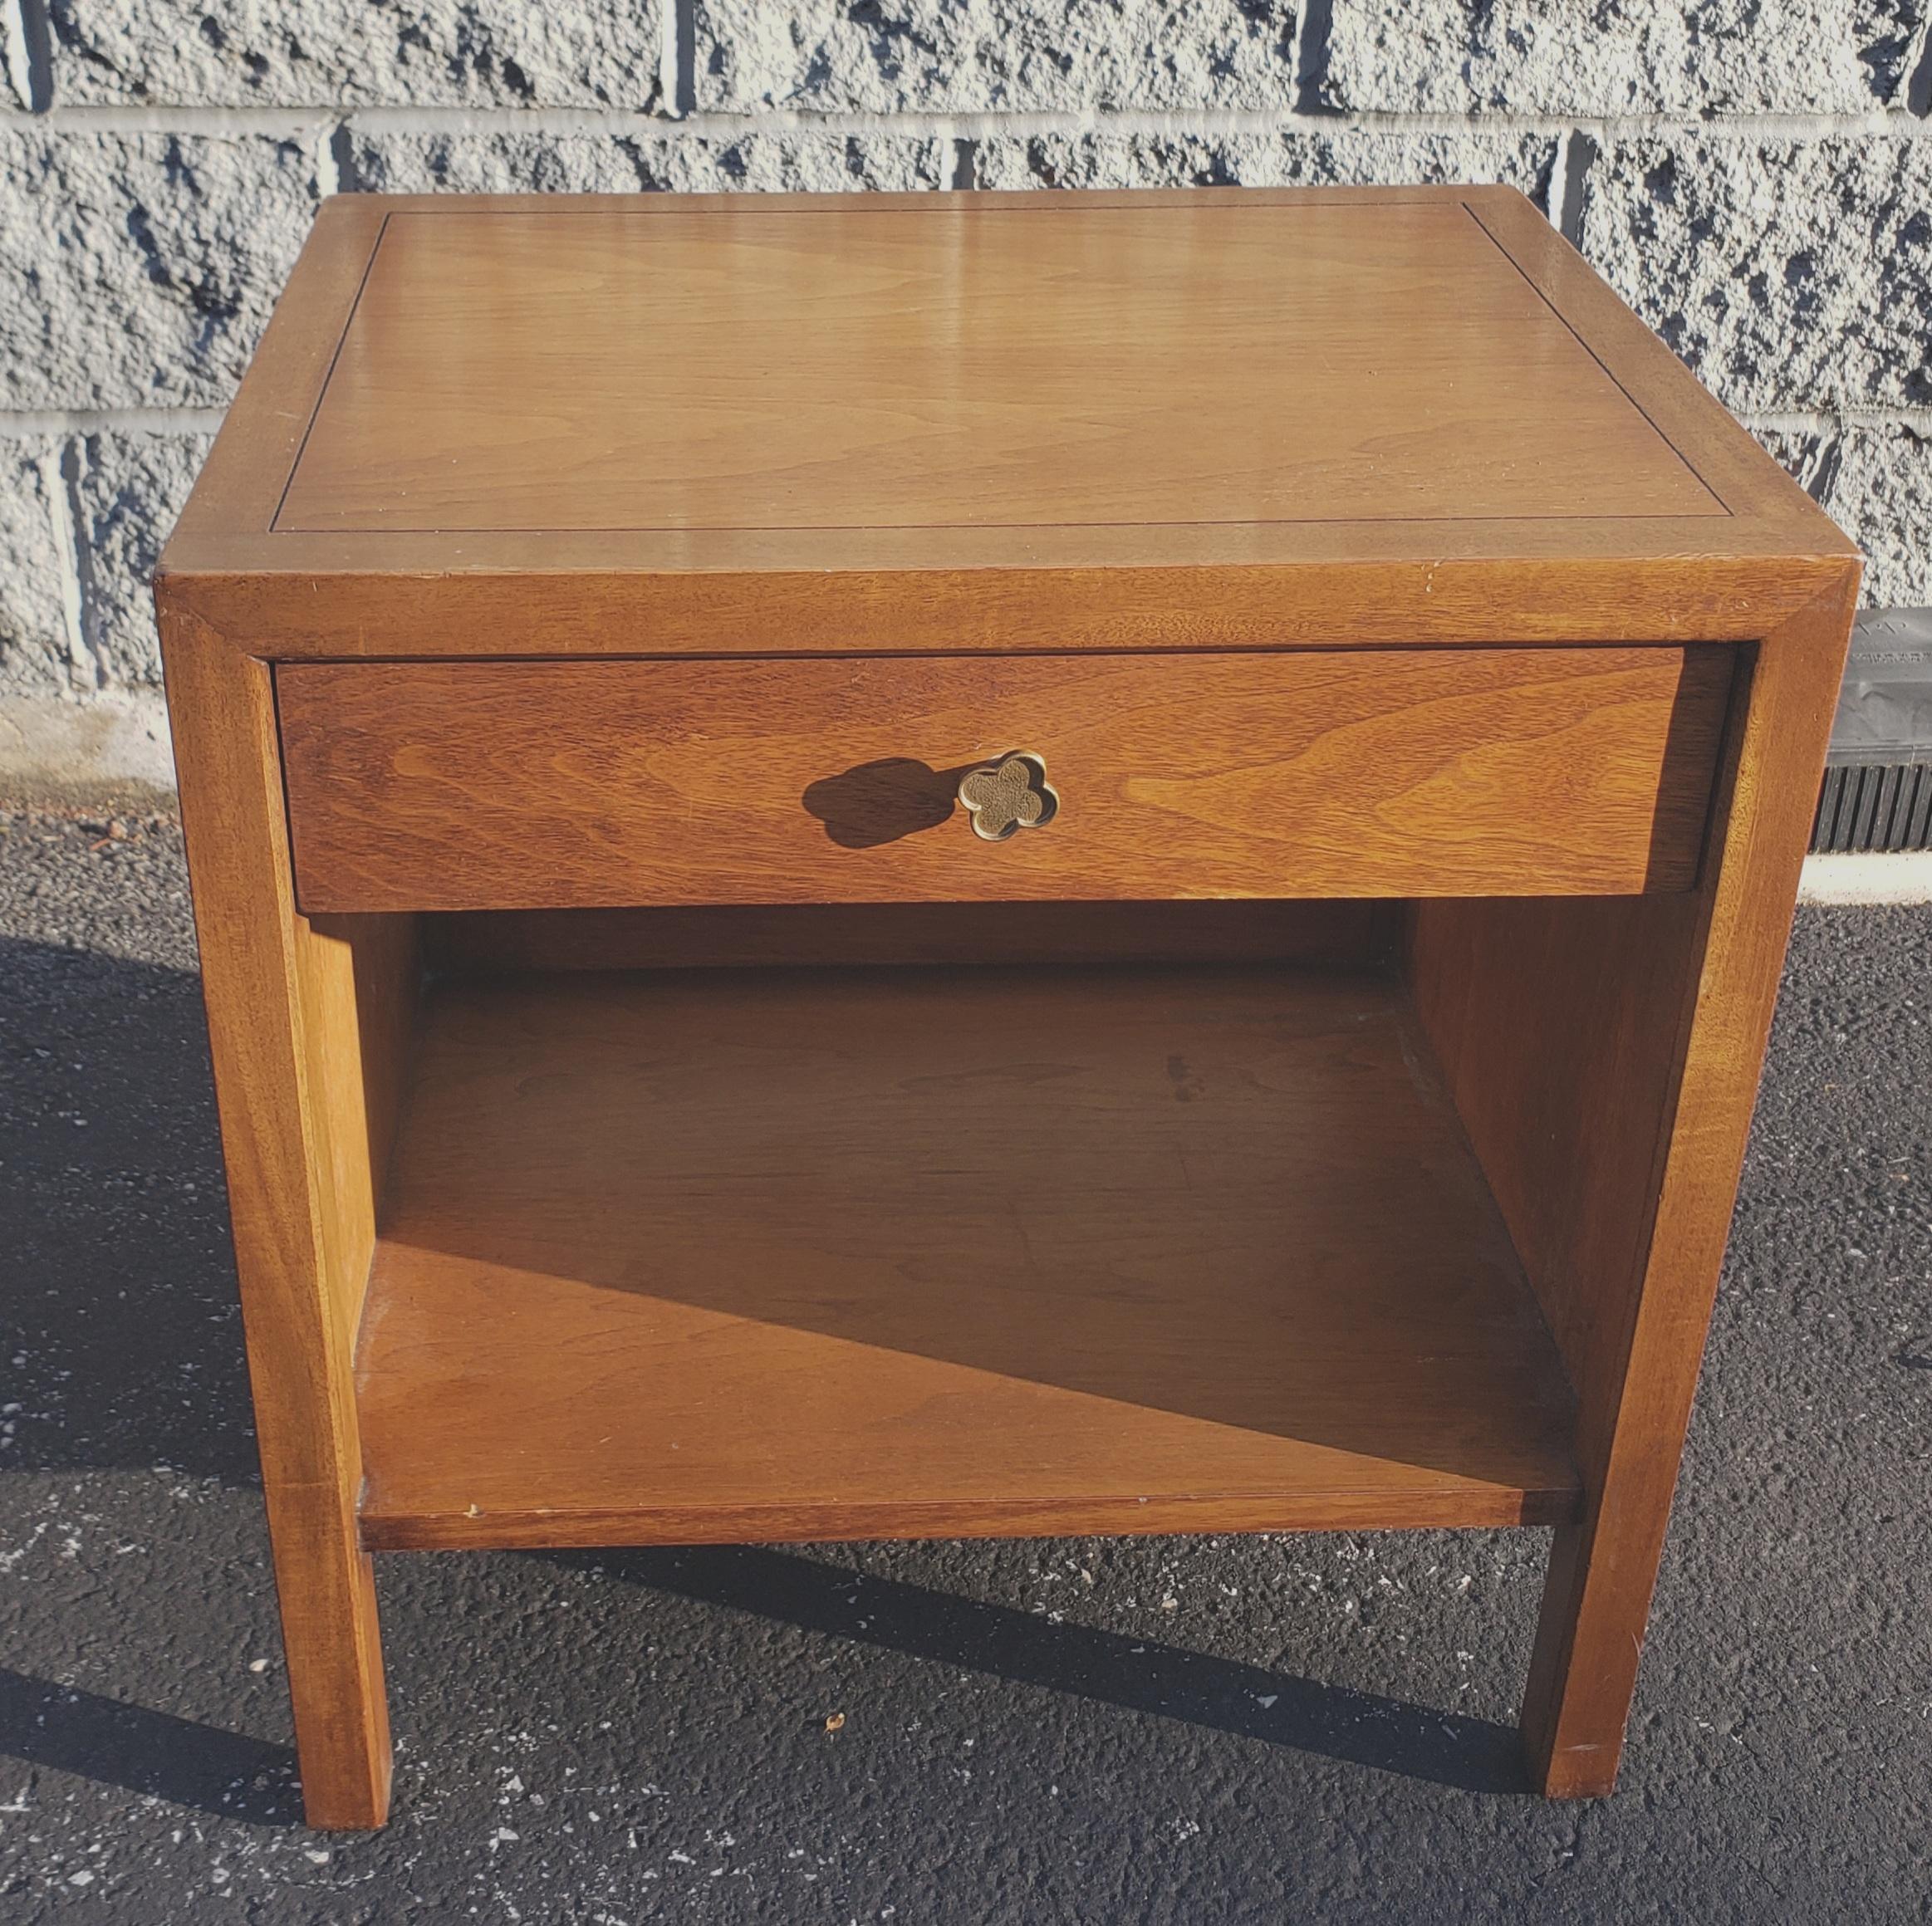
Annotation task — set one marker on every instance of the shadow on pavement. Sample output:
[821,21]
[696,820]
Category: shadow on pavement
[119,1328]
[149,1752]
[1330,1721]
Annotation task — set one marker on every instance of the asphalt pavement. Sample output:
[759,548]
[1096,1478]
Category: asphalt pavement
[1281,1729]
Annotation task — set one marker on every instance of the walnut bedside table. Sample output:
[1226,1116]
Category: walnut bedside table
[982,863]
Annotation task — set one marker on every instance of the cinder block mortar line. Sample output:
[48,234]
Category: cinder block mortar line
[91,667]
[59,476]
[13,42]
[1829,420]
[678,86]
[667,56]
[1308,54]
[1915,91]
[1575,156]
[24,423]
[21,422]
[300,123]
[1817,468]
[328,159]
[29,53]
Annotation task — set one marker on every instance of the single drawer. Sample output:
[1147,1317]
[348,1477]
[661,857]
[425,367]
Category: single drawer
[535,785]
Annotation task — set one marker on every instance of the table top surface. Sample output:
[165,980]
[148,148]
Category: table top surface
[740,384]
[846,366]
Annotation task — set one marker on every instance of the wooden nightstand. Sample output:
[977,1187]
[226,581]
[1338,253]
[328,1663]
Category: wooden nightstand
[994,864]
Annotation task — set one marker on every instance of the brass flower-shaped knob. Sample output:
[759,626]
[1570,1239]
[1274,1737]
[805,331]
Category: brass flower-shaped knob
[1008,794]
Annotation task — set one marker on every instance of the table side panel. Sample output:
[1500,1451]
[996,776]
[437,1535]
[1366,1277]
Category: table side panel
[1604,1057]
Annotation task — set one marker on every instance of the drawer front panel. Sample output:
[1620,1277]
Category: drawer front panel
[536,785]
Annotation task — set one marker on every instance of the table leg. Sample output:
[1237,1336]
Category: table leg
[1604,1056]
[307,1024]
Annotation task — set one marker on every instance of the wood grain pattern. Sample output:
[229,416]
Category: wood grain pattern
[1725,456]
[1604,1057]
[1478,422]
[1317,932]
[588,596]
[674,1258]
[305,1133]
[866,365]
[241,480]
[521,786]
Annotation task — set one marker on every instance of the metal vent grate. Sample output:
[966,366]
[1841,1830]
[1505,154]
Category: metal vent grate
[1878,775]
[1875,806]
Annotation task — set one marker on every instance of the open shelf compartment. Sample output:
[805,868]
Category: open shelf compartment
[685,1256]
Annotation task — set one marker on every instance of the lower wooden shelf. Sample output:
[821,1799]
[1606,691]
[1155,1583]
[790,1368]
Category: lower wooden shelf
[680,1258]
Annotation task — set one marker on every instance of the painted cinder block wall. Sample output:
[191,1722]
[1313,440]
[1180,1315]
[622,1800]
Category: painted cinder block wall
[1754,175]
